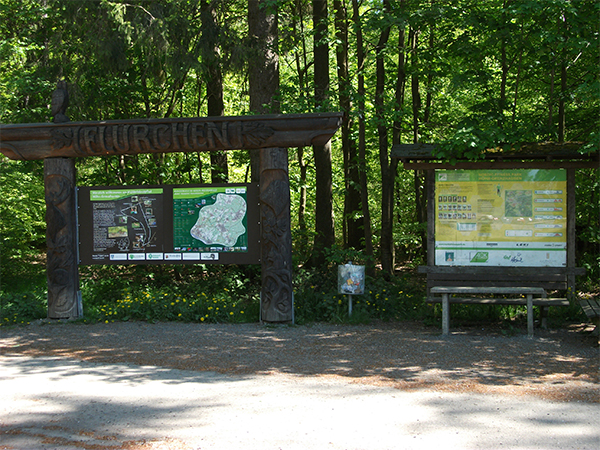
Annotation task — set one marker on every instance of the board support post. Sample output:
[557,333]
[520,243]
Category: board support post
[64,296]
[276,237]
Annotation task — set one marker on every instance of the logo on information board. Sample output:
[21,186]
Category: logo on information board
[480,257]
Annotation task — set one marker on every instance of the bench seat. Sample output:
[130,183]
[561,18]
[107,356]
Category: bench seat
[502,301]
[532,296]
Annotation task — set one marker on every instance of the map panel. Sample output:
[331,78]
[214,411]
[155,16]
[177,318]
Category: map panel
[166,224]
[501,217]
[125,223]
[210,219]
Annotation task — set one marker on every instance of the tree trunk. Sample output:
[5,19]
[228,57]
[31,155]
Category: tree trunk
[419,175]
[551,102]
[276,240]
[400,84]
[324,225]
[303,242]
[352,220]
[214,83]
[387,190]
[399,104]
[302,66]
[362,144]
[563,85]
[414,83]
[263,65]
[429,94]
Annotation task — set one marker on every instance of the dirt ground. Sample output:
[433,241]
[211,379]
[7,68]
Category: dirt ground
[558,364]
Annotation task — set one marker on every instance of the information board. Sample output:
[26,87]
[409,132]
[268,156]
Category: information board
[169,224]
[127,224]
[501,217]
[210,219]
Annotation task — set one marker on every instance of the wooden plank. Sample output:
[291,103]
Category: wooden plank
[494,271]
[590,307]
[469,290]
[500,277]
[534,150]
[416,151]
[493,165]
[501,301]
[543,284]
[116,137]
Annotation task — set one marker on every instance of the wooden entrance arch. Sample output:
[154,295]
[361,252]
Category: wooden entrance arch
[59,143]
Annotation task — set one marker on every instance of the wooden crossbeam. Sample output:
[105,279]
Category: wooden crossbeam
[117,137]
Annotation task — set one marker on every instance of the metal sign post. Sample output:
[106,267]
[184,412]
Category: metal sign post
[351,281]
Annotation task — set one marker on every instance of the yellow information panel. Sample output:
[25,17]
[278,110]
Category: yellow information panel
[501,218]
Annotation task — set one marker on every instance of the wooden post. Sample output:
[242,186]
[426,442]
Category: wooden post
[276,237]
[445,314]
[571,231]
[64,297]
[529,315]
[431,215]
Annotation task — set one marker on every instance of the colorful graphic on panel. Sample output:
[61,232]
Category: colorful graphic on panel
[210,219]
[501,217]
[125,223]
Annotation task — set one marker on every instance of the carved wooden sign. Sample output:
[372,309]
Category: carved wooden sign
[80,139]
[58,143]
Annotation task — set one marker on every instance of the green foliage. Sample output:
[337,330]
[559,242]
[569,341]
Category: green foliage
[23,299]
[188,293]
[588,225]
[21,308]
[22,218]
[337,255]
[489,73]
[317,300]
[210,294]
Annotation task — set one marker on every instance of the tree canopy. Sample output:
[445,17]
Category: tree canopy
[464,74]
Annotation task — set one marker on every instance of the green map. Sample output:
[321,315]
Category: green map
[211,219]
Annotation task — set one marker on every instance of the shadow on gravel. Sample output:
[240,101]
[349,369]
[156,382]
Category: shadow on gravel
[558,364]
[55,402]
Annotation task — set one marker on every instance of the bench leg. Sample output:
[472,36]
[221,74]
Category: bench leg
[530,315]
[544,317]
[445,314]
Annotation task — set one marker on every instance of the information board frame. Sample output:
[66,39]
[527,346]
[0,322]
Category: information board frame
[495,232]
[136,224]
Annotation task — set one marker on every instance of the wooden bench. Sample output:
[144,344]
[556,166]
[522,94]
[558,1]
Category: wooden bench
[466,285]
[591,308]
[532,296]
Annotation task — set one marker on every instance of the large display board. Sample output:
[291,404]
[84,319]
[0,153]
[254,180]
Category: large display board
[169,224]
[501,218]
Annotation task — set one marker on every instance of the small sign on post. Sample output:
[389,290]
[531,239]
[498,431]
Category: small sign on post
[351,281]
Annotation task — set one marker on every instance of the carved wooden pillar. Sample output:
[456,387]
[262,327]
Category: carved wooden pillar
[276,240]
[64,297]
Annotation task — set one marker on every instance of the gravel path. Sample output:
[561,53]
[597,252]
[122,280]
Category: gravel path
[177,386]
[557,364]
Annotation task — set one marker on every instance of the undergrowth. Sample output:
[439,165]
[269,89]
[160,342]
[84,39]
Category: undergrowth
[231,294]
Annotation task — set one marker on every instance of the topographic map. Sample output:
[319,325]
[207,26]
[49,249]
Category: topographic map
[221,222]
[518,203]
